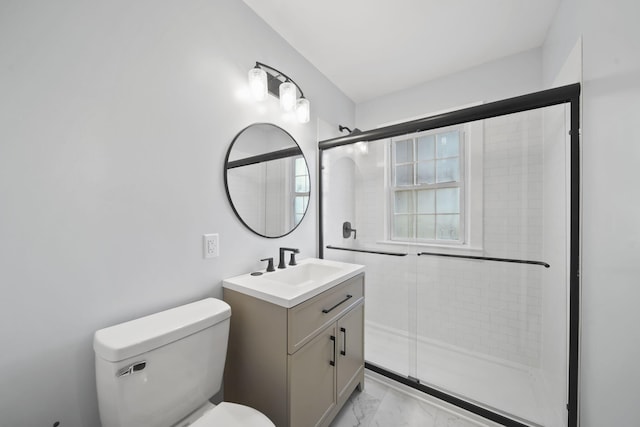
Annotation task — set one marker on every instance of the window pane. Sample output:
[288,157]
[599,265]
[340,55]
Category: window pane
[301,166]
[448,227]
[404,175]
[426,147]
[404,151]
[426,201]
[404,202]
[427,187]
[426,227]
[302,184]
[301,204]
[426,172]
[403,226]
[448,200]
[448,170]
[448,145]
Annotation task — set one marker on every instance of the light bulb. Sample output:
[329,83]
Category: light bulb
[287,96]
[364,147]
[302,110]
[258,84]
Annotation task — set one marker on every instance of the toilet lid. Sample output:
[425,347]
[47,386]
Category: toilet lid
[232,414]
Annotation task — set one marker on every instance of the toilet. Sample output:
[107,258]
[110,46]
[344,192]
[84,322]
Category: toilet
[161,370]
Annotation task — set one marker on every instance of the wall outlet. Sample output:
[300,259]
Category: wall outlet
[211,245]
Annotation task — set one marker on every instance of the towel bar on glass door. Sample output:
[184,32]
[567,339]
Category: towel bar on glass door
[366,251]
[483,258]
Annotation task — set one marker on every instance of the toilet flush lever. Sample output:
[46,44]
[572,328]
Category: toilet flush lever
[132,369]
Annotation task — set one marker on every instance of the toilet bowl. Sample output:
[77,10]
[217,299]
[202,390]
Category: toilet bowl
[226,414]
[161,370]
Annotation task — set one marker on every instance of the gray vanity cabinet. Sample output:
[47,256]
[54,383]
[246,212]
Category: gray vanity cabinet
[313,381]
[350,351]
[297,365]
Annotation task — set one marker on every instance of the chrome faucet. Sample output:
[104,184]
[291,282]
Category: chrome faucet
[292,261]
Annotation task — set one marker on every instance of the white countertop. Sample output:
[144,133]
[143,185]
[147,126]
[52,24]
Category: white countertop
[295,284]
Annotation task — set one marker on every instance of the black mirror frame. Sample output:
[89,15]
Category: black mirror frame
[226,183]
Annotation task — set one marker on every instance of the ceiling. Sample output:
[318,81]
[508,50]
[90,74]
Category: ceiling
[369,48]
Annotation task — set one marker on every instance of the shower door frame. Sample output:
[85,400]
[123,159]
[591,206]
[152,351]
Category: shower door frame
[569,94]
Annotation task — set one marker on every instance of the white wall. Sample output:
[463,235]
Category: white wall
[510,76]
[114,121]
[610,348]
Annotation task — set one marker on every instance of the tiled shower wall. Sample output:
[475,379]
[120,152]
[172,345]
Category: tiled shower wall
[488,308]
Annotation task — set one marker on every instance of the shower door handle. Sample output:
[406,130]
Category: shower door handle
[344,342]
[333,354]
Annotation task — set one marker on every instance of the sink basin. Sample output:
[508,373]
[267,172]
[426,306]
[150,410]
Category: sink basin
[303,273]
[295,284]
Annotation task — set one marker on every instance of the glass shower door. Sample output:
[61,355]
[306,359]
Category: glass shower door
[471,251]
[492,313]
[354,179]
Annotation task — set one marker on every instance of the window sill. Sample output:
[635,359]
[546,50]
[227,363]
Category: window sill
[458,249]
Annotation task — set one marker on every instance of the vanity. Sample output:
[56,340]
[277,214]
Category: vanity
[296,341]
[296,338]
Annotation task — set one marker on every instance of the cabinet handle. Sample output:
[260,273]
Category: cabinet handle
[333,355]
[327,310]
[344,342]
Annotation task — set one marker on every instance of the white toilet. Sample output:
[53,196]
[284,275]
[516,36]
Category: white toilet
[161,370]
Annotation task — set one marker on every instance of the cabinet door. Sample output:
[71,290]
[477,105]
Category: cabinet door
[312,391]
[350,347]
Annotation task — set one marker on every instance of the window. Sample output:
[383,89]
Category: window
[300,190]
[427,187]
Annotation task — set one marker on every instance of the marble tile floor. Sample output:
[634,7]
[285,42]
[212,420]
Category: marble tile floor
[385,403]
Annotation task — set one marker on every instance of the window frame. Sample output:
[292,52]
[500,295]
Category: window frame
[299,194]
[461,184]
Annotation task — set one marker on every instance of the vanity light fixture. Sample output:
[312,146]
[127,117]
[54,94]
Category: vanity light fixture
[258,83]
[302,110]
[265,79]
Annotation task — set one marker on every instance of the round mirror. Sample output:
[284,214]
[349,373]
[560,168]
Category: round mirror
[267,180]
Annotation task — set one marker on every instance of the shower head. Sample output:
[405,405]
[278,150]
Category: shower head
[343,128]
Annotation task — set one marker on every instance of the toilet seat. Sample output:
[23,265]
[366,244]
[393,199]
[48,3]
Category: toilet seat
[232,414]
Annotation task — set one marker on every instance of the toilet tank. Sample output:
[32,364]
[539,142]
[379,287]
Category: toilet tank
[155,370]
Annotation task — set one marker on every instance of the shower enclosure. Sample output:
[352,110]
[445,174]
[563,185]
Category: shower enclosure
[467,223]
